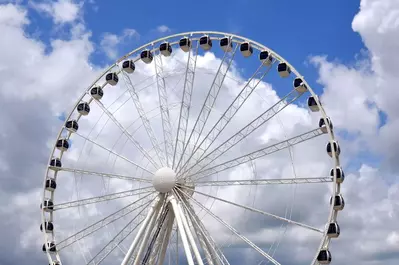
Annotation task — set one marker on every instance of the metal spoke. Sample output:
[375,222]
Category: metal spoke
[146,123]
[228,115]
[102,223]
[114,153]
[263,181]
[163,103]
[245,131]
[209,102]
[243,238]
[102,174]
[257,154]
[185,103]
[116,241]
[128,135]
[108,197]
[261,212]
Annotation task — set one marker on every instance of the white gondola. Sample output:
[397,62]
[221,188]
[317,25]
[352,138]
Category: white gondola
[336,147]
[246,49]
[48,205]
[312,104]
[146,56]
[324,256]
[322,124]
[340,174]
[226,44]
[112,79]
[165,49]
[97,92]
[299,85]
[266,58]
[333,230]
[205,42]
[62,145]
[339,202]
[55,163]
[48,227]
[128,66]
[185,44]
[72,126]
[50,247]
[83,108]
[51,185]
[283,69]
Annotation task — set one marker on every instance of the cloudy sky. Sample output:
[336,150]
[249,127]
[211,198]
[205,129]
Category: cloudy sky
[51,51]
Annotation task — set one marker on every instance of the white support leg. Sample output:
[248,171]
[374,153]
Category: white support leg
[165,243]
[210,245]
[190,236]
[204,246]
[181,230]
[136,240]
[147,234]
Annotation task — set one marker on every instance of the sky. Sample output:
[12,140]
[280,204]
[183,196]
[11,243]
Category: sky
[50,51]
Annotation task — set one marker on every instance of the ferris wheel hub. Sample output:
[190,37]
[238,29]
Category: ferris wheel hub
[164,179]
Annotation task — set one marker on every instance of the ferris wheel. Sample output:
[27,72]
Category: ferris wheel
[164,159]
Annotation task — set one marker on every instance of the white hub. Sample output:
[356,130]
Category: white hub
[164,179]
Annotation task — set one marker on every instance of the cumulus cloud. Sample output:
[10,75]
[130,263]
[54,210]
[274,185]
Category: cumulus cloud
[62,11]
[366,91]
[110,42]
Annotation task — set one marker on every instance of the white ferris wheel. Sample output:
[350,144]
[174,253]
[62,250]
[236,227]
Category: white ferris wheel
[161,161]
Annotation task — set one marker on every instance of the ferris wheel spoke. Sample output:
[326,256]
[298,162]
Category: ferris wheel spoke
[234,231]
[263,181]
[97,199]
[163,104]
[114,153]
[213,254]
[102,174]
[256,154]
[113,217]
[261,212]
[146,123]
[127,134]
[246,130]
[230,112]
[185,103]
[208,103]
[116,240]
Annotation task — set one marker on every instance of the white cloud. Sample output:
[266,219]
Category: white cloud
[163,29]
[62,11]
[353,95]
[110,42]
[12,16]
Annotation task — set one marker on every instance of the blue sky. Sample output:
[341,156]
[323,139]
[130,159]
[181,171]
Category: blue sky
[304,29]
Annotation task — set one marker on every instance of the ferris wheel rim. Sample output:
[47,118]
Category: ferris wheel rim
[237,39]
